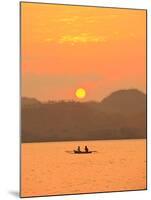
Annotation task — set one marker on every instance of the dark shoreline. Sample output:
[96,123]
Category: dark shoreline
[83,140]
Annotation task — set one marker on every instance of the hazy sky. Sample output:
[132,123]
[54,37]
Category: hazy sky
[67,47]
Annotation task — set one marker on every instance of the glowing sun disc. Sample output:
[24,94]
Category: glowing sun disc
[80,93]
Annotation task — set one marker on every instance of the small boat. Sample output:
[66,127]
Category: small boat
[81,152]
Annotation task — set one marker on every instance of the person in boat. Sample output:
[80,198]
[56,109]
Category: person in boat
[78,149]
[86,149]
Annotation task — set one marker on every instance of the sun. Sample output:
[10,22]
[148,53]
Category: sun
[80,93]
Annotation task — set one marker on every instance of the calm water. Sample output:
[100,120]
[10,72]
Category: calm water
[50,168]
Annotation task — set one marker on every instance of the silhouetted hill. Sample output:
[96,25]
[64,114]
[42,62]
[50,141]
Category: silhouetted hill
[25,101]
[122,115]
[126,101]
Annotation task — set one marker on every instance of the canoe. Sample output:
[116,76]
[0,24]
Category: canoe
[82,152]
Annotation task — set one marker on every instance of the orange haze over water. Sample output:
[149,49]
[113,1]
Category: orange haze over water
[68,47]
[47,169]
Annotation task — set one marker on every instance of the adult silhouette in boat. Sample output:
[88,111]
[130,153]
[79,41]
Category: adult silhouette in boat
[78,149]
[86,149]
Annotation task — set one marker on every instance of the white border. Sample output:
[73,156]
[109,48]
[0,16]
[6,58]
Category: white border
[9,98]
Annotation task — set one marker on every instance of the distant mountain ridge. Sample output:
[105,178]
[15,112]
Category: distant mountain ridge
[127,100]
[25,101]
[121,115]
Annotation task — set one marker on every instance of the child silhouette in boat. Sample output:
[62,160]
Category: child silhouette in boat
[86,149]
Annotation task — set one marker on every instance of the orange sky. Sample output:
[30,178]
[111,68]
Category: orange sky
[67,47]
